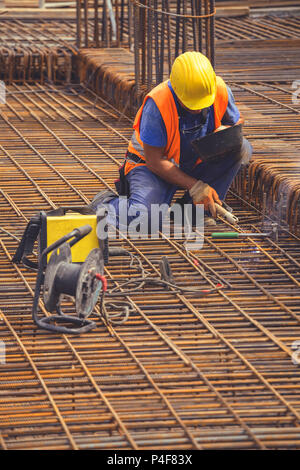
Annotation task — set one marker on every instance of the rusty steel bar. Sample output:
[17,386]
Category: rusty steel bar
[96,24]
[78,23]
[86,23]
[212,32]
[31,49]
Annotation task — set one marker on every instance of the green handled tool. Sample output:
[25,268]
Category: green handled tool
[230,235]
[238,235]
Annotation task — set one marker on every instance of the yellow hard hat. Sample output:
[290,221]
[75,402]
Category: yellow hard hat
[194,81]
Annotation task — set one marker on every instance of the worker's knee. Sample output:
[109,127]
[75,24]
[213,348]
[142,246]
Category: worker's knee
[150,210]
[245,153]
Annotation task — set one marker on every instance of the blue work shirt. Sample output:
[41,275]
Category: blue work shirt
[191,126]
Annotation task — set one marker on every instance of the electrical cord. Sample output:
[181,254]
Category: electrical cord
[143,281]
[139,283]
[124,307]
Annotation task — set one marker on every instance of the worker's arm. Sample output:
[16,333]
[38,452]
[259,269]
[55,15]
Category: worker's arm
[222,127]
[165,169]
[201,193]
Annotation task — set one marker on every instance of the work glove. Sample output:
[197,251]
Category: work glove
[202,193]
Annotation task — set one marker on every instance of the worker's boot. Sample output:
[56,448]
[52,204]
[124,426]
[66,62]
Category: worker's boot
[103,197]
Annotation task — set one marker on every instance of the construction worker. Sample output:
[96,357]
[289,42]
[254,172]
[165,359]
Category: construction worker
[160,158]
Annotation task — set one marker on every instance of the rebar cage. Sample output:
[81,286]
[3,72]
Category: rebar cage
[157,31]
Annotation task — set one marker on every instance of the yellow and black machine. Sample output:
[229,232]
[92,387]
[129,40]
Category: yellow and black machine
[48,227]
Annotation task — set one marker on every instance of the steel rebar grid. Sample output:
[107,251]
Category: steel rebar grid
[32,50]
[54,32]
[215,371]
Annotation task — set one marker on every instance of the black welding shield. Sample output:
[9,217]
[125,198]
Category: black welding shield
[219,143]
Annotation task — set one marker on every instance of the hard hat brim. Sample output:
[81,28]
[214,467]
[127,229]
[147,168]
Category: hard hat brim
[199,104]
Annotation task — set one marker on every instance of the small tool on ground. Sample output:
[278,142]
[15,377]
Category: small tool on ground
[230,235]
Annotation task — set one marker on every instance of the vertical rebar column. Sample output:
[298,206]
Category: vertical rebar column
[130,22]
[199,23]
[162,43]
[149,46]
[136,47]
[207,30]
[184,27]
[194,24]
[86,23]
[78,23]
[117,21]
[177,29]
[142,41]
[122,18]
[212,33]
[156,32]
[168,37]
[96,24]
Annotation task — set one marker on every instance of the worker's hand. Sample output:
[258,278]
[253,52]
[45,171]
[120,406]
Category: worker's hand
[202,193]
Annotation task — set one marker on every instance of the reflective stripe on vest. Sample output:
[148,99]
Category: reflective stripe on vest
[163,98]
[173,161]
[137,146]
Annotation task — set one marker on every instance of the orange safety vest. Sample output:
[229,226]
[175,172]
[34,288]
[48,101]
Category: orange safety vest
[163,98]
